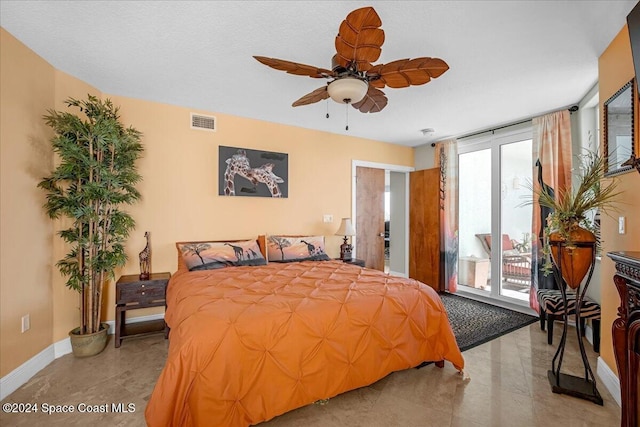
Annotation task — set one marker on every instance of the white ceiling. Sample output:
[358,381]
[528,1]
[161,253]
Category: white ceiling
[509,60]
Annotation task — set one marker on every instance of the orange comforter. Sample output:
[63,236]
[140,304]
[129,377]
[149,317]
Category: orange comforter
[250,343]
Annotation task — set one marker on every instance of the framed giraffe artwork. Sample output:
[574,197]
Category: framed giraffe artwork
[253,173]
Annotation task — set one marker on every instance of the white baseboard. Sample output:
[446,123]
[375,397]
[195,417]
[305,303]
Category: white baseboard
[23,373]
[588,333]
[609,380]
[62,347]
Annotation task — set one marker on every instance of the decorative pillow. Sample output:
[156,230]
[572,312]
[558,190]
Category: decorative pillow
[291,249]
[212,255]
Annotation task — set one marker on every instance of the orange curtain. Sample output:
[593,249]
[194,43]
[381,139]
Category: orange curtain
[446,158]
[552,169]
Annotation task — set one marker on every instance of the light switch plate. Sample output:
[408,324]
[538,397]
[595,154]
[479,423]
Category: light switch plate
[327,218]
[621,225]
[26,323]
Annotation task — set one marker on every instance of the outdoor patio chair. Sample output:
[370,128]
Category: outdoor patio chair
[516,266]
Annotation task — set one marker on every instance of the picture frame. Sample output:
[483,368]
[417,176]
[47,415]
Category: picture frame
[252,173]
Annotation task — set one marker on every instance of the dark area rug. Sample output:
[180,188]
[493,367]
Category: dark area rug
[476,322]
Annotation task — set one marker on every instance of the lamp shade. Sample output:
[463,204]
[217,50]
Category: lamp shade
[347,90]
[346,228]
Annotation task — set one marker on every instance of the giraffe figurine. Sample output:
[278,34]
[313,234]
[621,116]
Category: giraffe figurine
[265,175]
[237,251]
[236,164]
[145,259]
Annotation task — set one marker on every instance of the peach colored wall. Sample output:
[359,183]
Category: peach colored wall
[616,69]
[28,87]
[30,282]
[179,188]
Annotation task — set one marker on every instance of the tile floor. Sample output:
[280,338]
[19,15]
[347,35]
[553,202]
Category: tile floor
[504,384]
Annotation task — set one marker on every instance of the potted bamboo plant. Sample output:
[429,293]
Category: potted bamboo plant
[569,234]
[95,177]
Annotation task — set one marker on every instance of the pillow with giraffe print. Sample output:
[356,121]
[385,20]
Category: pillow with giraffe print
[298,248]
[213,255]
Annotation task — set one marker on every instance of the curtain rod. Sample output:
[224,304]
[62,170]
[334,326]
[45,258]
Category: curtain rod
[571,109]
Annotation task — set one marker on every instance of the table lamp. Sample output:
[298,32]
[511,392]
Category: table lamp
[346,229]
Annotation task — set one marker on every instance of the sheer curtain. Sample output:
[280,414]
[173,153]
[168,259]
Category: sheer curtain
[446,158]
[552,169]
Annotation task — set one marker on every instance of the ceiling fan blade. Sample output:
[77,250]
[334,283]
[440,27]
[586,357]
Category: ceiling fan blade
[360,39]
[374,101]
[406,72]
[295,68]
[312,97]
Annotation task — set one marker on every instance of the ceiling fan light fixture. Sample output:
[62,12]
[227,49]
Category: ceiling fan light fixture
[347,90]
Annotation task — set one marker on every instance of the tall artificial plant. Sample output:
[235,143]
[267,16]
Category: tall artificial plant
[95,177]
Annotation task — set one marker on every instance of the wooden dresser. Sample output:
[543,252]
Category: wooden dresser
[626,333]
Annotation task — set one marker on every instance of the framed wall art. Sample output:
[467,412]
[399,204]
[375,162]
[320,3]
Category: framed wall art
[253,173]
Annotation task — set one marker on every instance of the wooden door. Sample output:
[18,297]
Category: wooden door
[370,217]
[424,228]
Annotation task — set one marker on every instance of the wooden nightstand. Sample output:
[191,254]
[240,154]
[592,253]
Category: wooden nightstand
[132,294]
[355,261]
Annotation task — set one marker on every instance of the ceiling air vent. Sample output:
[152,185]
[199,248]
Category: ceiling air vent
[198,121]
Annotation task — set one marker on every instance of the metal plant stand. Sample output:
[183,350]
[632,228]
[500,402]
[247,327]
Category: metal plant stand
[581,387]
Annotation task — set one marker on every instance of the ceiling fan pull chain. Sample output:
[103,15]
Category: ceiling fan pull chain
[327,108]
[346,109]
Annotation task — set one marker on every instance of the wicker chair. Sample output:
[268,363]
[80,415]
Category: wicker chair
[516,266]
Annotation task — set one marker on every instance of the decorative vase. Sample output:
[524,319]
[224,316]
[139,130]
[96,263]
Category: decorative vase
[576,254]
[85,345]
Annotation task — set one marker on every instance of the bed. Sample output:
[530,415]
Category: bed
[250,342]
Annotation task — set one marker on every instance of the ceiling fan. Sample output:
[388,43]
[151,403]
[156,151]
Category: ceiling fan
[354,79]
